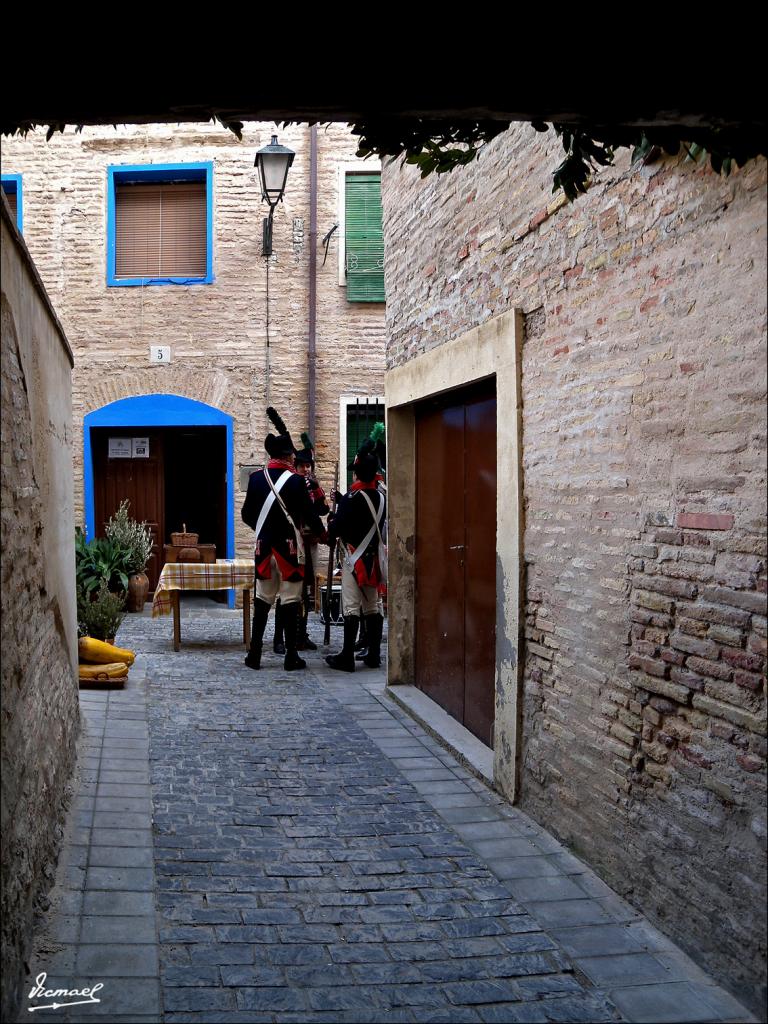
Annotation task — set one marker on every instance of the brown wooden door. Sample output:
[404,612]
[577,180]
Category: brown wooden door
[456,555]
[141,481]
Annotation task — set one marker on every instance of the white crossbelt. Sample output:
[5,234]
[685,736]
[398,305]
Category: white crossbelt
[271,498]
[352,559]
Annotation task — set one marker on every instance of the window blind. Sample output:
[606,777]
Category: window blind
[161,229]
[12,202]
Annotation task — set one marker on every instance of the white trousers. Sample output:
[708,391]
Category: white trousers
[269,590]
[357,600]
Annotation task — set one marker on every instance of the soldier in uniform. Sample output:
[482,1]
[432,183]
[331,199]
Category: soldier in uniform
[376,446]
[305,466]
[360,511]
[277,506]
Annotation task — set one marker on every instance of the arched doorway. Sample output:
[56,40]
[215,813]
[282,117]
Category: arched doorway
[172,458]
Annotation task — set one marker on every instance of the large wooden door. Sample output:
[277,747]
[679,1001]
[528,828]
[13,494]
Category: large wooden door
[141,481]
[456,555]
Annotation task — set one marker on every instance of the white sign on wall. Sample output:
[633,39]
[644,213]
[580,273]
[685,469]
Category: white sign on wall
[140,447]
[120,447]
[159,353]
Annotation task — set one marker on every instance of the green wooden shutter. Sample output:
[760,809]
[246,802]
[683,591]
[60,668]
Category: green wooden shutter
[364,238]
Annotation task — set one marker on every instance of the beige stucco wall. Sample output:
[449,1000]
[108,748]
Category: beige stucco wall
[39,625]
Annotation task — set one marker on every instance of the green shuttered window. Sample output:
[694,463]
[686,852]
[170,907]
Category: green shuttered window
[361,418]
[364,238]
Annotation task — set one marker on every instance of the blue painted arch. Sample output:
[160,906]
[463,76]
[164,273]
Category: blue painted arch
[158,410]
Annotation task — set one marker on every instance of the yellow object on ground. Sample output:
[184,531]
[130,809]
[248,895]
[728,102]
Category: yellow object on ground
[114,670]
[101,652]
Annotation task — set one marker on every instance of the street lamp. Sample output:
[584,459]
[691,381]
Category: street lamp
[273,162]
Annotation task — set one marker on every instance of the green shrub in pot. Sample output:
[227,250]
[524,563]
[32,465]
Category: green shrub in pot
[99,615]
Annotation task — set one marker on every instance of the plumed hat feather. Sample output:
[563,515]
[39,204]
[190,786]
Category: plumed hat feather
[306,440]
[275,417]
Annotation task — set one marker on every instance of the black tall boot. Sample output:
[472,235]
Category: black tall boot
[305,643]
[260,615]
[345,660]
[277,642]
[361,647]
[290,615]
[375,629]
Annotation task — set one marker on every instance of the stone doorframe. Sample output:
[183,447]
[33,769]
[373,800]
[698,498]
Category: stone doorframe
[491,350]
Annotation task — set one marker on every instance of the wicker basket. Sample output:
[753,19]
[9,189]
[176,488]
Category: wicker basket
[184,539]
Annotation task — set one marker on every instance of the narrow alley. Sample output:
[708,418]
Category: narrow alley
[261,846]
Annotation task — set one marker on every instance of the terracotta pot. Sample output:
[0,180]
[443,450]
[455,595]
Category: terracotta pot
[138,589]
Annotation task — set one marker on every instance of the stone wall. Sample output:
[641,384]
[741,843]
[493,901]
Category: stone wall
[39,626]
[644,437]
[218,332]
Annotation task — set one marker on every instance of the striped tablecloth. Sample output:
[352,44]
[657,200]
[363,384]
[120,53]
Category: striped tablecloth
[223,574]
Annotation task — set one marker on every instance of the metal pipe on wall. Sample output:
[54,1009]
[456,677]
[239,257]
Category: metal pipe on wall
[312,340]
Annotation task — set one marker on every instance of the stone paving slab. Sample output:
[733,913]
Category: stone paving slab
[97,931]
[310,853]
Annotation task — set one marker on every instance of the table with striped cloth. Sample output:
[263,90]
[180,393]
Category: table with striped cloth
[223,574]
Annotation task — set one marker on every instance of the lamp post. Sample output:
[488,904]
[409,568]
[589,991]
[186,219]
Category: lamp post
[273,162]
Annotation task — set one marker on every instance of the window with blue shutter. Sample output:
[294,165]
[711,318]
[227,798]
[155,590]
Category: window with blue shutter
[11,185]
[160,224]
[364,238]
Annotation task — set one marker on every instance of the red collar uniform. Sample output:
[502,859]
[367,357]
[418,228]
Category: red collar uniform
[352,523]
[277,537]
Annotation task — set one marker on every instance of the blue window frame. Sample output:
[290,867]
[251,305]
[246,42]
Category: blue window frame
[163,174]
[11,185]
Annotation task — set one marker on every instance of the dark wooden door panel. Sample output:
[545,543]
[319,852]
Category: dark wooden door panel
[480,567]
[456,555]
[138,480]
[439,558]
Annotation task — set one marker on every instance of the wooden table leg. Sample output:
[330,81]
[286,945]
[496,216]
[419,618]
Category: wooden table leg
[247,618]
[176,619]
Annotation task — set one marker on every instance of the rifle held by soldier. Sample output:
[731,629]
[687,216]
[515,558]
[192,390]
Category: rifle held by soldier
[331,559]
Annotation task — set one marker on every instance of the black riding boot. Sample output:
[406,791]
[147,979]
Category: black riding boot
[375,629]
[345,660]
[260,615]
[277,642]
[361,645]
[305,644]
[290,615]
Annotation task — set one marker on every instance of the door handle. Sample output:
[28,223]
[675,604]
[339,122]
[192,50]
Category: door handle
[456,547]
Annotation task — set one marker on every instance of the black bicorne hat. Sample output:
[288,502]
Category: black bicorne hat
[365,467]
[307,453]
[278,445]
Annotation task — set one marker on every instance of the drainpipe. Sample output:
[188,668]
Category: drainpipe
[312,341]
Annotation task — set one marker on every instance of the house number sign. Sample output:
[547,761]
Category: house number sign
[159,353]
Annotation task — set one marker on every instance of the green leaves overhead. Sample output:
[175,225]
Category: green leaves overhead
[440,146]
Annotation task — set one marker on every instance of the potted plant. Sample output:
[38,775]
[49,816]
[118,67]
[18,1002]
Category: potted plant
[100,561]
[99,614]
[135,540]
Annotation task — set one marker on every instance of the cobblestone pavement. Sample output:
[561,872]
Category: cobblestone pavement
[308,853]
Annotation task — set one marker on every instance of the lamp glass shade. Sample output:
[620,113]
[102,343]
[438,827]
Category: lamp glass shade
[273,162]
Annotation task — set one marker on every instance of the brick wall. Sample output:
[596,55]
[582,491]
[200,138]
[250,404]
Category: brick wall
[644,436]
[217,333]
[39,630]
